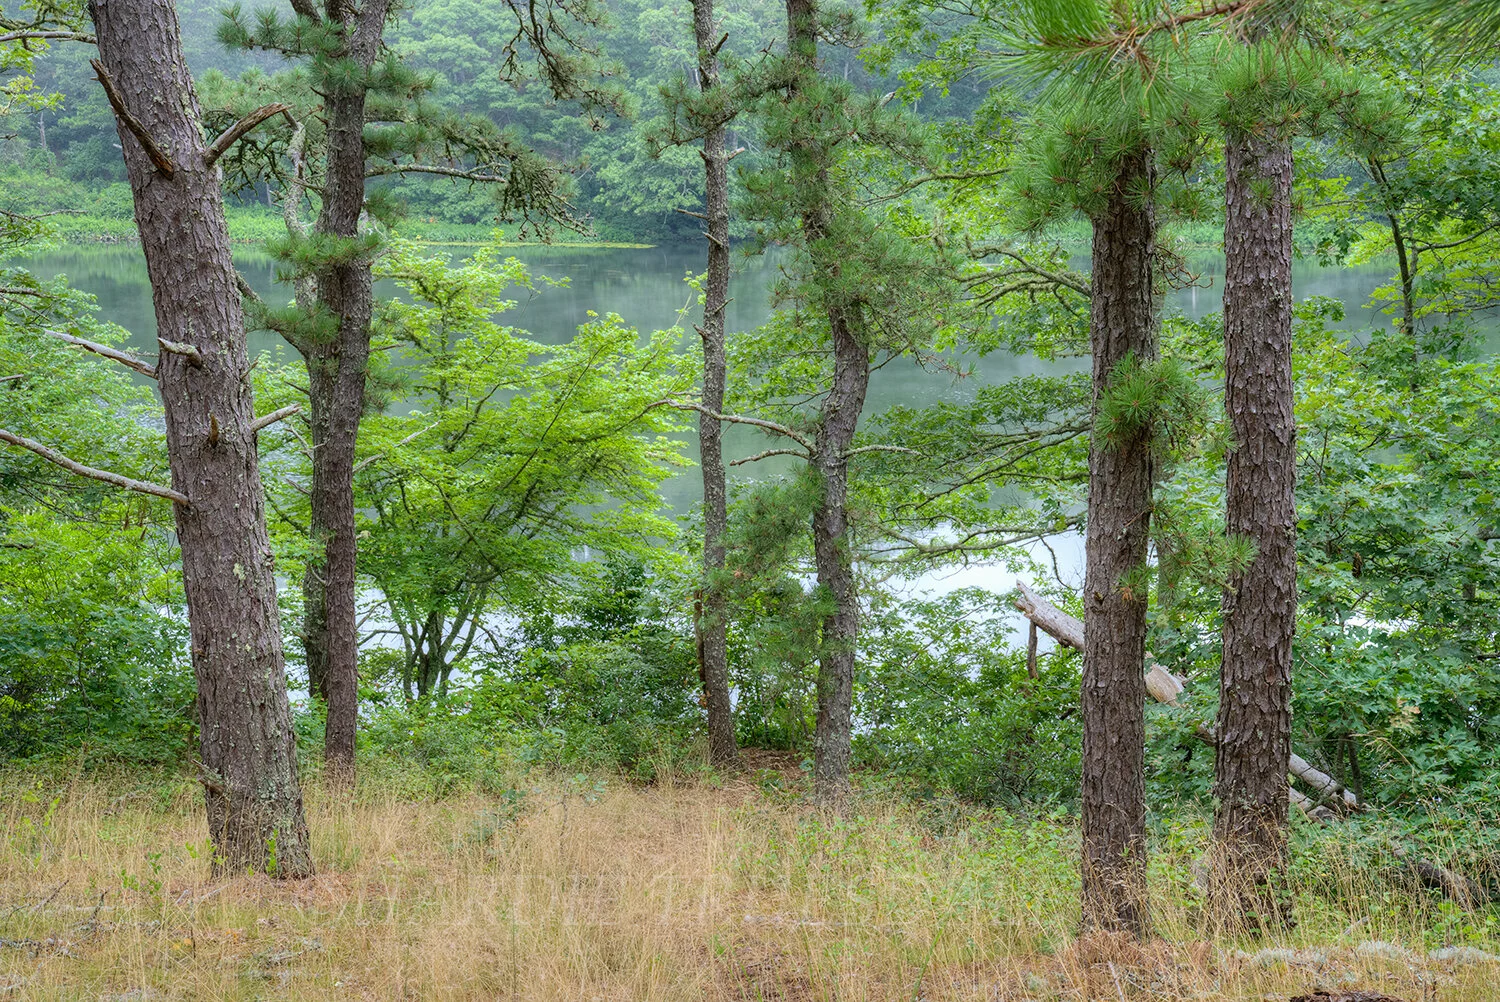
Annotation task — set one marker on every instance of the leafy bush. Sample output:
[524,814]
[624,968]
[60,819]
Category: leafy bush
[948,701]
[89,655]
[605,680]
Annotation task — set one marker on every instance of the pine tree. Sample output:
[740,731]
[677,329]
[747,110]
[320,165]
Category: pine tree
[857,286]
[249,761]
[1273,87]
[706,117]
[1104,71]
[371,117]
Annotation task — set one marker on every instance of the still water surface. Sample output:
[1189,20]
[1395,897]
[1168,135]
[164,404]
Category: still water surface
[646,287]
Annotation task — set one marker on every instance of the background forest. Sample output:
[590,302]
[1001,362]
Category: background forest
[596,498]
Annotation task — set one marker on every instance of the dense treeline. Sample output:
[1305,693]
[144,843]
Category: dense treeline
[444,534]
[65,155]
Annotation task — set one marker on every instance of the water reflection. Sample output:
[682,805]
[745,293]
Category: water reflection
[647,288]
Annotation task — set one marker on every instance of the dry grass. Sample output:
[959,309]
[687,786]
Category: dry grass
[580,890]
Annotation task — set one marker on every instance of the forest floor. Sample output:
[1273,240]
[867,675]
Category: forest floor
[712,889]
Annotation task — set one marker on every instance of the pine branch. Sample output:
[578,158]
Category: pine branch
[104,476]
[163,163]
[1464,29]
[105,351]
[231,135]
[475,174]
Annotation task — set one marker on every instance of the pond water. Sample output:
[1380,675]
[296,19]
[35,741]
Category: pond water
[646,287]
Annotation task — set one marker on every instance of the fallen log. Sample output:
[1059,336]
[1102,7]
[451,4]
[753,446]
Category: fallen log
[1164,687]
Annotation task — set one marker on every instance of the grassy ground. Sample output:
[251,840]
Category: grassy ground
[590,889]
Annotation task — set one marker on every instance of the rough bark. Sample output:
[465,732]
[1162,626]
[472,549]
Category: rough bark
[832,548]
[249,760]
[1260,604]
[833,556]
[713,625]
[337,368]
[1121,473]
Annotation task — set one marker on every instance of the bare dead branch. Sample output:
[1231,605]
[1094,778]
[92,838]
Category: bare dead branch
[105,351]
[231,135]
[771,426]
[884,448]
[768,454]
[115,479]
[246,290]
[162,162]
[382,170]
[291,205]
[187,351]
[47,36]
[281,413]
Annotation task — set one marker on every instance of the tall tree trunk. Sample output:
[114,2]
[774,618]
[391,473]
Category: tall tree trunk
[714,657]
[833,555]
[1121,474]
[254,800]
[1405,262]
[336,376]
[337,368]
[1260,604]
[832,548]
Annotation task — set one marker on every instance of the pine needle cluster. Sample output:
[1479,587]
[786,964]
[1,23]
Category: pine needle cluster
[1151,399]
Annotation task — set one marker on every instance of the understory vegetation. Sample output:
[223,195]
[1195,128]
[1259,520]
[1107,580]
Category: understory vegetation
[1041,596]
[555,886]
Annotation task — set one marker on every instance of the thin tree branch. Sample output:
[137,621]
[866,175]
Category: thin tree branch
[884,448]
[291,205]
[246,289]
[1428,248]
[48,36]
[105,351]
[105,476]
[382,170]
[768,454]
[231,135]
[363,463]
[163,162]
[281,413]
[772,426]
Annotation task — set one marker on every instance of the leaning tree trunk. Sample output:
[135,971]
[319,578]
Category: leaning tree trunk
[1113,696]
[832,547]
[714,657]
[1260,604]
[337,368]
[254,801]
